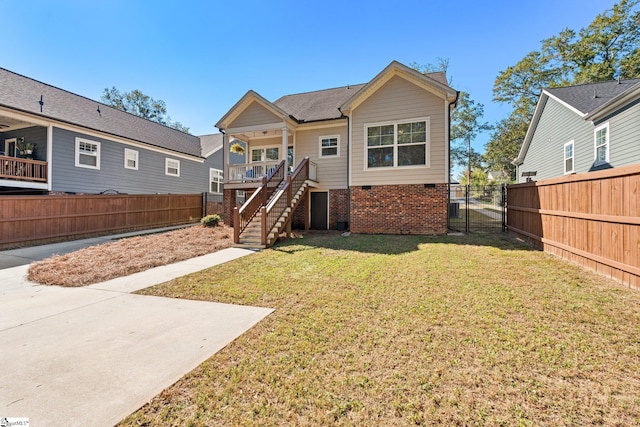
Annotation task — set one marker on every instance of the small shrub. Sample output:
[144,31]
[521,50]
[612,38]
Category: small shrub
[210,220]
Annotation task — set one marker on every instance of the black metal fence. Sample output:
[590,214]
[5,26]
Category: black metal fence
[477,209]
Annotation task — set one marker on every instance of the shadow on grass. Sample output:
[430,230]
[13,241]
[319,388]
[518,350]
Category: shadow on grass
[390,244]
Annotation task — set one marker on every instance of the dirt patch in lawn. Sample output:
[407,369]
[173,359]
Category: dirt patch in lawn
[127,256]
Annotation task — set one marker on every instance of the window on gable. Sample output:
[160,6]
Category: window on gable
[602,144]
[330,146]
[87,154]
[568,157]
[398,144]
[172,167]
[130,159]
[215,181]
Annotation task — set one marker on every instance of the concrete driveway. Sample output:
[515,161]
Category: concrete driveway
[91,356]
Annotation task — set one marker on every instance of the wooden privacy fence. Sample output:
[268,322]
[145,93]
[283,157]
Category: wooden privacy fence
[40,219]
[592,219]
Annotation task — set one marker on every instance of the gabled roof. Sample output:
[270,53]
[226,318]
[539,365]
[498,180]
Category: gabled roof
[586,98]
[209,144]
[588,101]
[329,104]
[246,100]
[434,82]
[24,94]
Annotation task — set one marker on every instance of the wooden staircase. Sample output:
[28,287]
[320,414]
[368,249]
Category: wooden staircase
[268,212]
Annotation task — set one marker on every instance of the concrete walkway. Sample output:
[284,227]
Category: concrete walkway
[91,356]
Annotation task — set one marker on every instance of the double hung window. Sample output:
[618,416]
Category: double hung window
[398,144]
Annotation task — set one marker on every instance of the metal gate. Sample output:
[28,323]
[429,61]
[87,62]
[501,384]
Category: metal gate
[477,208]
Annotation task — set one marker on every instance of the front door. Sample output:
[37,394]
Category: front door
[319,210]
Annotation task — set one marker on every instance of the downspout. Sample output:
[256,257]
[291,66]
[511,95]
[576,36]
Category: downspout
[348,170]
[451,104]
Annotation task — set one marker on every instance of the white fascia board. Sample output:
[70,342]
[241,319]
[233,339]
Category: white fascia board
[530,131]
[568,106]
[619,101]
[213,151]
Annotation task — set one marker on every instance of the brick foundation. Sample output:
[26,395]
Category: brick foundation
[338,207]
[338,210]
[399,209]
[229,204]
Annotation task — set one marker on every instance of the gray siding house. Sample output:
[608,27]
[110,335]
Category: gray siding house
[56,142]
[582,128]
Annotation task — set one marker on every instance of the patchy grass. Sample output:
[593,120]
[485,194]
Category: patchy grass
[127,256]
[407,330]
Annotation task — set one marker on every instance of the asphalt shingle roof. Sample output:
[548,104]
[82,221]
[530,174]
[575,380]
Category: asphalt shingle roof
[589,97]
[318,105]
[23,93]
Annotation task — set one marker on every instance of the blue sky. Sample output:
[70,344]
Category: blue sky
[200,57]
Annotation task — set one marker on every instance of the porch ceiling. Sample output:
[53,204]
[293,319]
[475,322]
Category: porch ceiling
[9,123]
[257,134]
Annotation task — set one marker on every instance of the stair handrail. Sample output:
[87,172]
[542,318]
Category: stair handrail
[278,203]
[242,216]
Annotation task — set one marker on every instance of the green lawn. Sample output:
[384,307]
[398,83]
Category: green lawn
[408,330]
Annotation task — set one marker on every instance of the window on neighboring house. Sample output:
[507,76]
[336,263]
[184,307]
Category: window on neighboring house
[215,181]
[172,167]
[330,146]
[397,144]
[130,159]
[568,157]
[602,144]
[87,154]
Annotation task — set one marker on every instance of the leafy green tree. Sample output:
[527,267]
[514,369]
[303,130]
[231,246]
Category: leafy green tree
[136,102]
[608,48]
[466,120]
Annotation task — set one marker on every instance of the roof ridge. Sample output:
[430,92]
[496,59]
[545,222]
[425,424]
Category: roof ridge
[322,90]
[92,100]
[592,84]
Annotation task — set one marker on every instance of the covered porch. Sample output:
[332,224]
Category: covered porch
[265,147]
[24,152]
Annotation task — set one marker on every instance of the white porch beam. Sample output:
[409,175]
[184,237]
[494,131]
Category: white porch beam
[254,128]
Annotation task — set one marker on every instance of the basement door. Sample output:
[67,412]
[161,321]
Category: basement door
[319,210]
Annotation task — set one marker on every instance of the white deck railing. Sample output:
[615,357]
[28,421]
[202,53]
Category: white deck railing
[251,171]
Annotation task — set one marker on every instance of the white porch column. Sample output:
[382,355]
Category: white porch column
[285,145]
[225,155]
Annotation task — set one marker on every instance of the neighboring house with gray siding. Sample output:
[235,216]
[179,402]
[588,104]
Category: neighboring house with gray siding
[81,146]
[582,128]
[378,152]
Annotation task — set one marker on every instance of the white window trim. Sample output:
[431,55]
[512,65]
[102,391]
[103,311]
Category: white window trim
[395,144]
[337,137]
[212,172]
[97,155]
[595,142]
[264,153]
[136,155]
[565,158]
[167,160]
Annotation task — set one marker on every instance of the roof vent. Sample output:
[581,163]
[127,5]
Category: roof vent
[595,95]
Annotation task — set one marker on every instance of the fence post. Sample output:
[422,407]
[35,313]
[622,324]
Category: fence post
[236,225]
[466,222]
[504,207]
[263,220]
